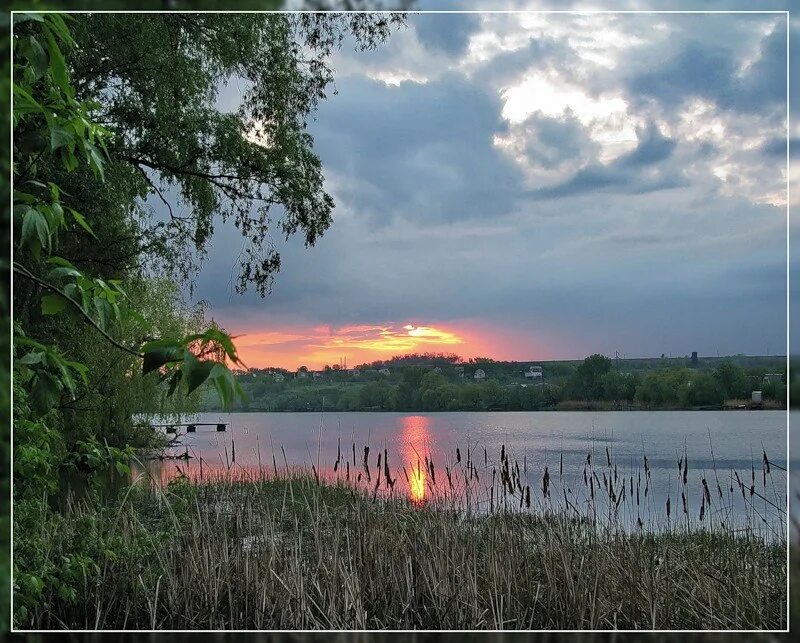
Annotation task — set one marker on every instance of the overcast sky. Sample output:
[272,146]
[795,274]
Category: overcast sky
[538,186]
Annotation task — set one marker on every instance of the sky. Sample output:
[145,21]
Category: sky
[538,186]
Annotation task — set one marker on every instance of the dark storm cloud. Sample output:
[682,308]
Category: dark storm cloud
[625,174]
[447,32]
[553,141]
[421,151]
[653,147]
[711,71]
[539,52]
[777,147]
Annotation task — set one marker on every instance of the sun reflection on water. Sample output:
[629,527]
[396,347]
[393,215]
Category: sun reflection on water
[415,438]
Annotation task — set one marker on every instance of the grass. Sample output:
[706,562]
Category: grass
[289,549]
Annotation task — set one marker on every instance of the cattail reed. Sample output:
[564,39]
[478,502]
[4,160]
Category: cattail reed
[546,483]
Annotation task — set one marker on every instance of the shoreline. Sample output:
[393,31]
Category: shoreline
[550,410]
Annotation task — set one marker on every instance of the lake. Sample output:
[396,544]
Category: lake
[717,445]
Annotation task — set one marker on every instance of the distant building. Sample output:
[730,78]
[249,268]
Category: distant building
[383,371]
[694,358]
[356,372]
[316,374]
[302,374]
[279,377]
[480,374]
[534,372]
[773,377]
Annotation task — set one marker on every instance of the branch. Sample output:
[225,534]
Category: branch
[159,193]
[27,274]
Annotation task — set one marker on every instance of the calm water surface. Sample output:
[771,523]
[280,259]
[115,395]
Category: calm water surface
[718,444]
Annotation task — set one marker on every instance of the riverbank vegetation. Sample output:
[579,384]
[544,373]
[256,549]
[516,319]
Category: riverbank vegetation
[259,551]
[432,382]
[124,160]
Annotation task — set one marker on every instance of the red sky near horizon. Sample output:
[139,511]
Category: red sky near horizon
[316,346]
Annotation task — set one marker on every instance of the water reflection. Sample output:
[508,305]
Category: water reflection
[261,445]
[415,436]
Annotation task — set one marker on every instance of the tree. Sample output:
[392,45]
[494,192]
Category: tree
[588,378]
[491,395]
[110,111]
[157,82]
[732,379]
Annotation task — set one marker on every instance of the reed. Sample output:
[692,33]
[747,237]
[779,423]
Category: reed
[285,548]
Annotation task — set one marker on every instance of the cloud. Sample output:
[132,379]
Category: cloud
[628,174]
[449,33]
[420,152]
[721,74]
[653,147]
[540,185]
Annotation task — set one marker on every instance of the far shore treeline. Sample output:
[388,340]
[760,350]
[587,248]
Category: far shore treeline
[439,382]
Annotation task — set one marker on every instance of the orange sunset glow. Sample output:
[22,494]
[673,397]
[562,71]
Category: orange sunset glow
[416,440]
[316,346]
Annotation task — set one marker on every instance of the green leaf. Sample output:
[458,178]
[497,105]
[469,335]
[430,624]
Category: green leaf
[95,160]
[59,26]
[37,57]
[158,353]
[60,137]
[34,357]
[195,371]
[60,261]
[24,103]
[102,308]
[173,382]
[81,221]
[45,392]
[19,18]
[226,385]
[80,369]
[35,232]
[58,66]
[58,273]
[58,215]
[53,304]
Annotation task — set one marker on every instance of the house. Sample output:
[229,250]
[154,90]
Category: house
[316,374]
[383,371]
[302,374]
[773,377]
[279,377]
[534,372]
[356,372]
[480,374]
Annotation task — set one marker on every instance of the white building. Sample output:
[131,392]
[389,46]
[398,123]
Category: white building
[534,372]
[383,371]
[279,377]
[480,374]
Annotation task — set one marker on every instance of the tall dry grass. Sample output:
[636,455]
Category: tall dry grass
[277,548]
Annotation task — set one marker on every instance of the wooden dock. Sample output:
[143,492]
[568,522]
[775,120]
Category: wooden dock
[190,427]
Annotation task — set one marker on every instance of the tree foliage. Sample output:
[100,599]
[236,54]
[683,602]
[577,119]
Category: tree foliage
[164,82]
[113,113]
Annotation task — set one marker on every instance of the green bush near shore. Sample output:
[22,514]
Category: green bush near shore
[289,553]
